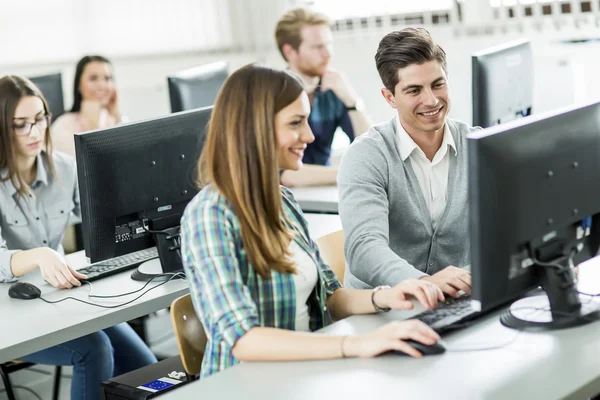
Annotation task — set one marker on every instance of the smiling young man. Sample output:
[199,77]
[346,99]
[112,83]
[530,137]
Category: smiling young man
[403,184]
[304,39]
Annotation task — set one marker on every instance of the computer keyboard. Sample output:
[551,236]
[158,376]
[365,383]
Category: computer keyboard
[449,315]
[115,265]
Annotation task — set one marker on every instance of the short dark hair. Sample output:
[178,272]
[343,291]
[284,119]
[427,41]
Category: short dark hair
[402,48]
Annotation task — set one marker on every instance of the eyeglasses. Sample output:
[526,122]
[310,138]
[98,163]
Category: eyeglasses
[24,128]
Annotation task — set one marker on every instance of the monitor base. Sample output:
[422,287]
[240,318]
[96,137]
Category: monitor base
[533,314]
[150,270]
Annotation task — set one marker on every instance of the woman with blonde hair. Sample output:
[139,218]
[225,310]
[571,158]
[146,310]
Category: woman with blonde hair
[256,277]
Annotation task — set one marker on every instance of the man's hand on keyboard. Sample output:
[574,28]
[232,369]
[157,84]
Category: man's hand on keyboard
[55,270]
[451,280]
[397,298]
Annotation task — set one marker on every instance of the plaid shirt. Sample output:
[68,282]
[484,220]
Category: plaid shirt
[230,298]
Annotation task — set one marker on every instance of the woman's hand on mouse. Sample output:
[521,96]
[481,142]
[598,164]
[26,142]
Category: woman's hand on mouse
[55,270]
[389,337]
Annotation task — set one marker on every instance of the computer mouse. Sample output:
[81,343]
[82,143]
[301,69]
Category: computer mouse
[426,350]
[24,291]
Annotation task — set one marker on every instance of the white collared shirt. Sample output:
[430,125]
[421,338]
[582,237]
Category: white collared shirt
[431,175]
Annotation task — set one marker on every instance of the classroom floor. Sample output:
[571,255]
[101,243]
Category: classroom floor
[40,377]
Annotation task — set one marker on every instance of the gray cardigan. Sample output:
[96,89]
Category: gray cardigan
[387,226]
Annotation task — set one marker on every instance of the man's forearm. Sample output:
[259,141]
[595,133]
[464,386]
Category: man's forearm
[360,122]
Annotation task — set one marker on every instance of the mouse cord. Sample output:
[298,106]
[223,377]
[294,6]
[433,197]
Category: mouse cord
[519,331]
[173,275]
[112,306]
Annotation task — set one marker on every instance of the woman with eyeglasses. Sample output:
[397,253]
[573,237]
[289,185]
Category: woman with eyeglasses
[257,280]
[95,103]
[38,193]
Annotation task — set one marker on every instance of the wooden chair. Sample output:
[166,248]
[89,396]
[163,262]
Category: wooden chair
[190,335]
[17,365]
[331,247]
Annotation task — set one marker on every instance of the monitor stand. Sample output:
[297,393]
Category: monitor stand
[534,314]
[151,269]
[562,306]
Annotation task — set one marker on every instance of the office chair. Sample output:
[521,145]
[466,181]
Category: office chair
[196,87]
[51,88]
[190,335]
[331,247]
[17,365]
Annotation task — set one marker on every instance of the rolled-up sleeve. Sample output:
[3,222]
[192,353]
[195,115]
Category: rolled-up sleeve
[221,299]
[6,274]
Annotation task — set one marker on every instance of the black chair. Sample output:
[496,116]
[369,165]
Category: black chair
[17,365]
[51,88]
[196,87]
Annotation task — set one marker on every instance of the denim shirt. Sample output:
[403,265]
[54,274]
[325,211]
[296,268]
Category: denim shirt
[39,219]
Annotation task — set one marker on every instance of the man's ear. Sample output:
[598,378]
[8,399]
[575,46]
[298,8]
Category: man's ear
[389,97]
[288,51]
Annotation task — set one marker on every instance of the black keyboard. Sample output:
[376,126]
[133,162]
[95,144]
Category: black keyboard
[115,265]
[449,315]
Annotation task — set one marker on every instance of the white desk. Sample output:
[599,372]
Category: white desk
[561,364]
[320,199]
[322,224]
[32,325]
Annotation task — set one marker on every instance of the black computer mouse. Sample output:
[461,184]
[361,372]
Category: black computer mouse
[426,350]
[24,291]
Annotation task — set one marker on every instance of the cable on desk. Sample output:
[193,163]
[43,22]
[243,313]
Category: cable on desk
[111,306]
[97,296]
[519,331]
[37,396]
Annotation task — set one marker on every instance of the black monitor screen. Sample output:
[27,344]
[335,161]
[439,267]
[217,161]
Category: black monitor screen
[135,173]
[533,202]
[502,84]
[196,87]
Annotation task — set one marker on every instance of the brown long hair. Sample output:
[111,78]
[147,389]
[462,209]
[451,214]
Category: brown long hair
[240,158]
[12,89]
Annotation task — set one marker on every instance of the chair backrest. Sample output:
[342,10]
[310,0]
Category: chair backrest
[51,88]
[189,332]
[331,247]
[196,87]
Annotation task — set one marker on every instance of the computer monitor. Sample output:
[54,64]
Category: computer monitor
[534,213]
[51,88]
[135,181]
[502,83]
[196,87]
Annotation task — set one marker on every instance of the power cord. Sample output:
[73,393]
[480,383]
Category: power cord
[174,275]
[37,396]
[519,331]
[117,305]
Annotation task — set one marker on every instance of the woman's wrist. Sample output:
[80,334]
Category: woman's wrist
[349,346]
[379,298]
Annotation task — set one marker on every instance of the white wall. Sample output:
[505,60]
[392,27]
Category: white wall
[564,73]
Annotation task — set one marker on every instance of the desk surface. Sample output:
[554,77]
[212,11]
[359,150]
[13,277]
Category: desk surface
[560,364]
[323,199]
[32,325]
